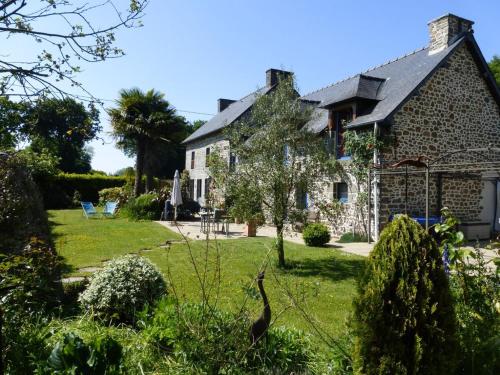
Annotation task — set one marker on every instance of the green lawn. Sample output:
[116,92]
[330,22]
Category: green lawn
[320,280]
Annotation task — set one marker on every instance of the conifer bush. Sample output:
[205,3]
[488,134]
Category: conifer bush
[404,320]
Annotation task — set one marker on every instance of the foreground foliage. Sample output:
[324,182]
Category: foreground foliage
[403,316]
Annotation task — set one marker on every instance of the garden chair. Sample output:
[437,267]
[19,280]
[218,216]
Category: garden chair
[109,209]
[89,210]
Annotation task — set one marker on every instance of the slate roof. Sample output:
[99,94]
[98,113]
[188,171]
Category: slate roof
[390,85]
[230,114]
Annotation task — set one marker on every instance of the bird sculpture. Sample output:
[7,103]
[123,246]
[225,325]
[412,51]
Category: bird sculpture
[418,163]
[261,325]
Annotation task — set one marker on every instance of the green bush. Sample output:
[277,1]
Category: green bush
[352,237]
[208,340]
[316,234]
[21,208]
[30,290]
[72,356]
[58,190]
[144,207]
[122,288]
[115,194]
[475,286]
[404,319]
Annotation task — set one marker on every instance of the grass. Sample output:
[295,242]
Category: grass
[88,242]
[319,281]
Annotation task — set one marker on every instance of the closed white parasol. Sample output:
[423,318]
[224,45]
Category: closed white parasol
[176,199]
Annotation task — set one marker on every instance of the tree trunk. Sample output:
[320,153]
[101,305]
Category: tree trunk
[279,245]
[139,167]
[149,181]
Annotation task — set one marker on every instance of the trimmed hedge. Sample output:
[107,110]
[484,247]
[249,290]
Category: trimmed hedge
[58,190]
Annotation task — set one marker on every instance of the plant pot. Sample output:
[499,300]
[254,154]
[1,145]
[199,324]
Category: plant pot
[251,229]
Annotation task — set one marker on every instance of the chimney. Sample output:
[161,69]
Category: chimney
[274,75]
[222,104]
[445,30]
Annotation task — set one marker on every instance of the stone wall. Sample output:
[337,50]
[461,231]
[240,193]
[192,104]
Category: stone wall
[452,110]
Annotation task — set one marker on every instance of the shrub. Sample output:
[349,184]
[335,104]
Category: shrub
[204,339]
[29,290]
[21,208]
[403,315]
[122,288]
[475,286]
[316,234]
[72,355]
[353,237]
[144,207]
[114,194]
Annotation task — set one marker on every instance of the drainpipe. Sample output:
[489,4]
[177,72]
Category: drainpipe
[375,187]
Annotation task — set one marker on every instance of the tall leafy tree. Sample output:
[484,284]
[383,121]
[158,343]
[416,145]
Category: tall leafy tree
[63,127]
[11,120]
[142,121]
[495,68]
[277,158]
[66,33]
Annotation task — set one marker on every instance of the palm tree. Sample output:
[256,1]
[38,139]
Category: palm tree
[140,121]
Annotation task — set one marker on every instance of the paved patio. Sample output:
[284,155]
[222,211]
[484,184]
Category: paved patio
[192,230]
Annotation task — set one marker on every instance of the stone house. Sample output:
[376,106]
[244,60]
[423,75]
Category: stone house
[211,135]
[430,102]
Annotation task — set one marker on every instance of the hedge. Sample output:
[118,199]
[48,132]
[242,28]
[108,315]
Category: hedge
[58,190]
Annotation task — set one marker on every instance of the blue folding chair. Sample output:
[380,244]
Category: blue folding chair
[89,209]
[110,209]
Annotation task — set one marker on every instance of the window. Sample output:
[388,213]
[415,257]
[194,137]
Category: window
[207,154]
[191,189]
[207,186]
[341,119]
[341,192]
[198,188]
[301,198]
[192,159]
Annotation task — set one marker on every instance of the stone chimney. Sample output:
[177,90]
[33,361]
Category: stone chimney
[274,75]
[445,30]
[222,104]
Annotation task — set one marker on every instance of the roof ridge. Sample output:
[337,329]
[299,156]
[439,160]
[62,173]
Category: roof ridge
[368,70]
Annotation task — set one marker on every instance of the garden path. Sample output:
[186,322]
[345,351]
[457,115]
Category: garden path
[192,230]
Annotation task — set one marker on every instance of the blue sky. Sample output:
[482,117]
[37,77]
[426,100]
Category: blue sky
[198,51]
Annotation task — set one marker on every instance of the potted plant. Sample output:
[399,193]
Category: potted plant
[247,208]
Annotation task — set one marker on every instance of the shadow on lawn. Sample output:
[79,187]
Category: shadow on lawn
[332,268]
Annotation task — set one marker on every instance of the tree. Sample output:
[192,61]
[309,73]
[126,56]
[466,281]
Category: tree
[140,121]
[494,65]
[63,34]
[276,156]
[11,119]
[404,320]
[63,127]
[195,125]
